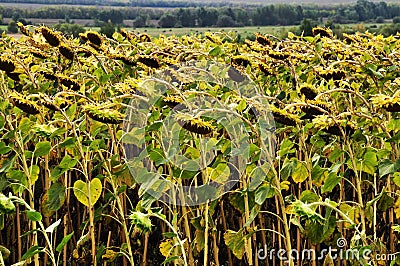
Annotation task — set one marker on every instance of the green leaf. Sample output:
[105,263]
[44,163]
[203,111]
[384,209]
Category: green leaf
[32,252]
[4,148]
[331,182]
[396,178]
[286,147]
[235,241]
[317,232]
[388,167]
[215,51]
[300,172]
[34,173]
[53,199]
[34,216]
[264,192]
[308,196]
[63,242]
[42,148]
[66,164]
[81,191]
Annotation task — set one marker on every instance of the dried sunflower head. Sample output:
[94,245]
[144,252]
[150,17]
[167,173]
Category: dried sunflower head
[284,117]
[37,53]
[327,124]
[263,40]
[329,74]
[313,109]
[66,51]
[51,37]
[104,115]
[149,61]
[144,37]
[69,82]
[278,55]
[94,37]
[83,37]
[172,100]
[48,75]
[265,69]
[24,30]
[14,76]
[26,105]
[6,64]
[308,91]
[194,124]
[240,60]
[390,104]
[323,32]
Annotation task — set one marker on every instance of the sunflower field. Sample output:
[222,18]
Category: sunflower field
[80,166]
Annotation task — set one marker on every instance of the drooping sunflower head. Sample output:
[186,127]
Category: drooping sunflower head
[263,40]
[14,76]
[6,64]
[240,60]
[389,103]
[284,117]
[104,115]
[26,105]
[51,37]
[172,100]
[37,53]
[143,37]
[334,127]
[66,51]
[278,55]
[69,82]
[194,124]
[308,91]
[313,108]
[329,74]
[94,37]
[150,61]
[265,69]
[323,32]
[24,30]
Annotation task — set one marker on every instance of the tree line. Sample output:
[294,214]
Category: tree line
[278,14]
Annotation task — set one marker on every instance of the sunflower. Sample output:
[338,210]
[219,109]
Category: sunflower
[37,53]
[390,104]
[6,64]
[26,105]
[213,38]
[144,37]
[265,69]
[149,61]
[329,74]
[54,104]
[194,124]
[66,51]
[51,37]
[308,91]
[311,111]
[263,40]
[277,55]
[327,124]
[323,32]
[69,83]
[83,52]
[94,37]
[104,115]
[172,100]
[83,37]
[48,75]
[23,29]
[14,76]
[130,61]
[254,46]
[284,117]
[240,60]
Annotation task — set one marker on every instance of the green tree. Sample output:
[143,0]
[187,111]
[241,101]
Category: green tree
[167,21]
[70,29]
[140,21]
[107,29]
[12,27]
